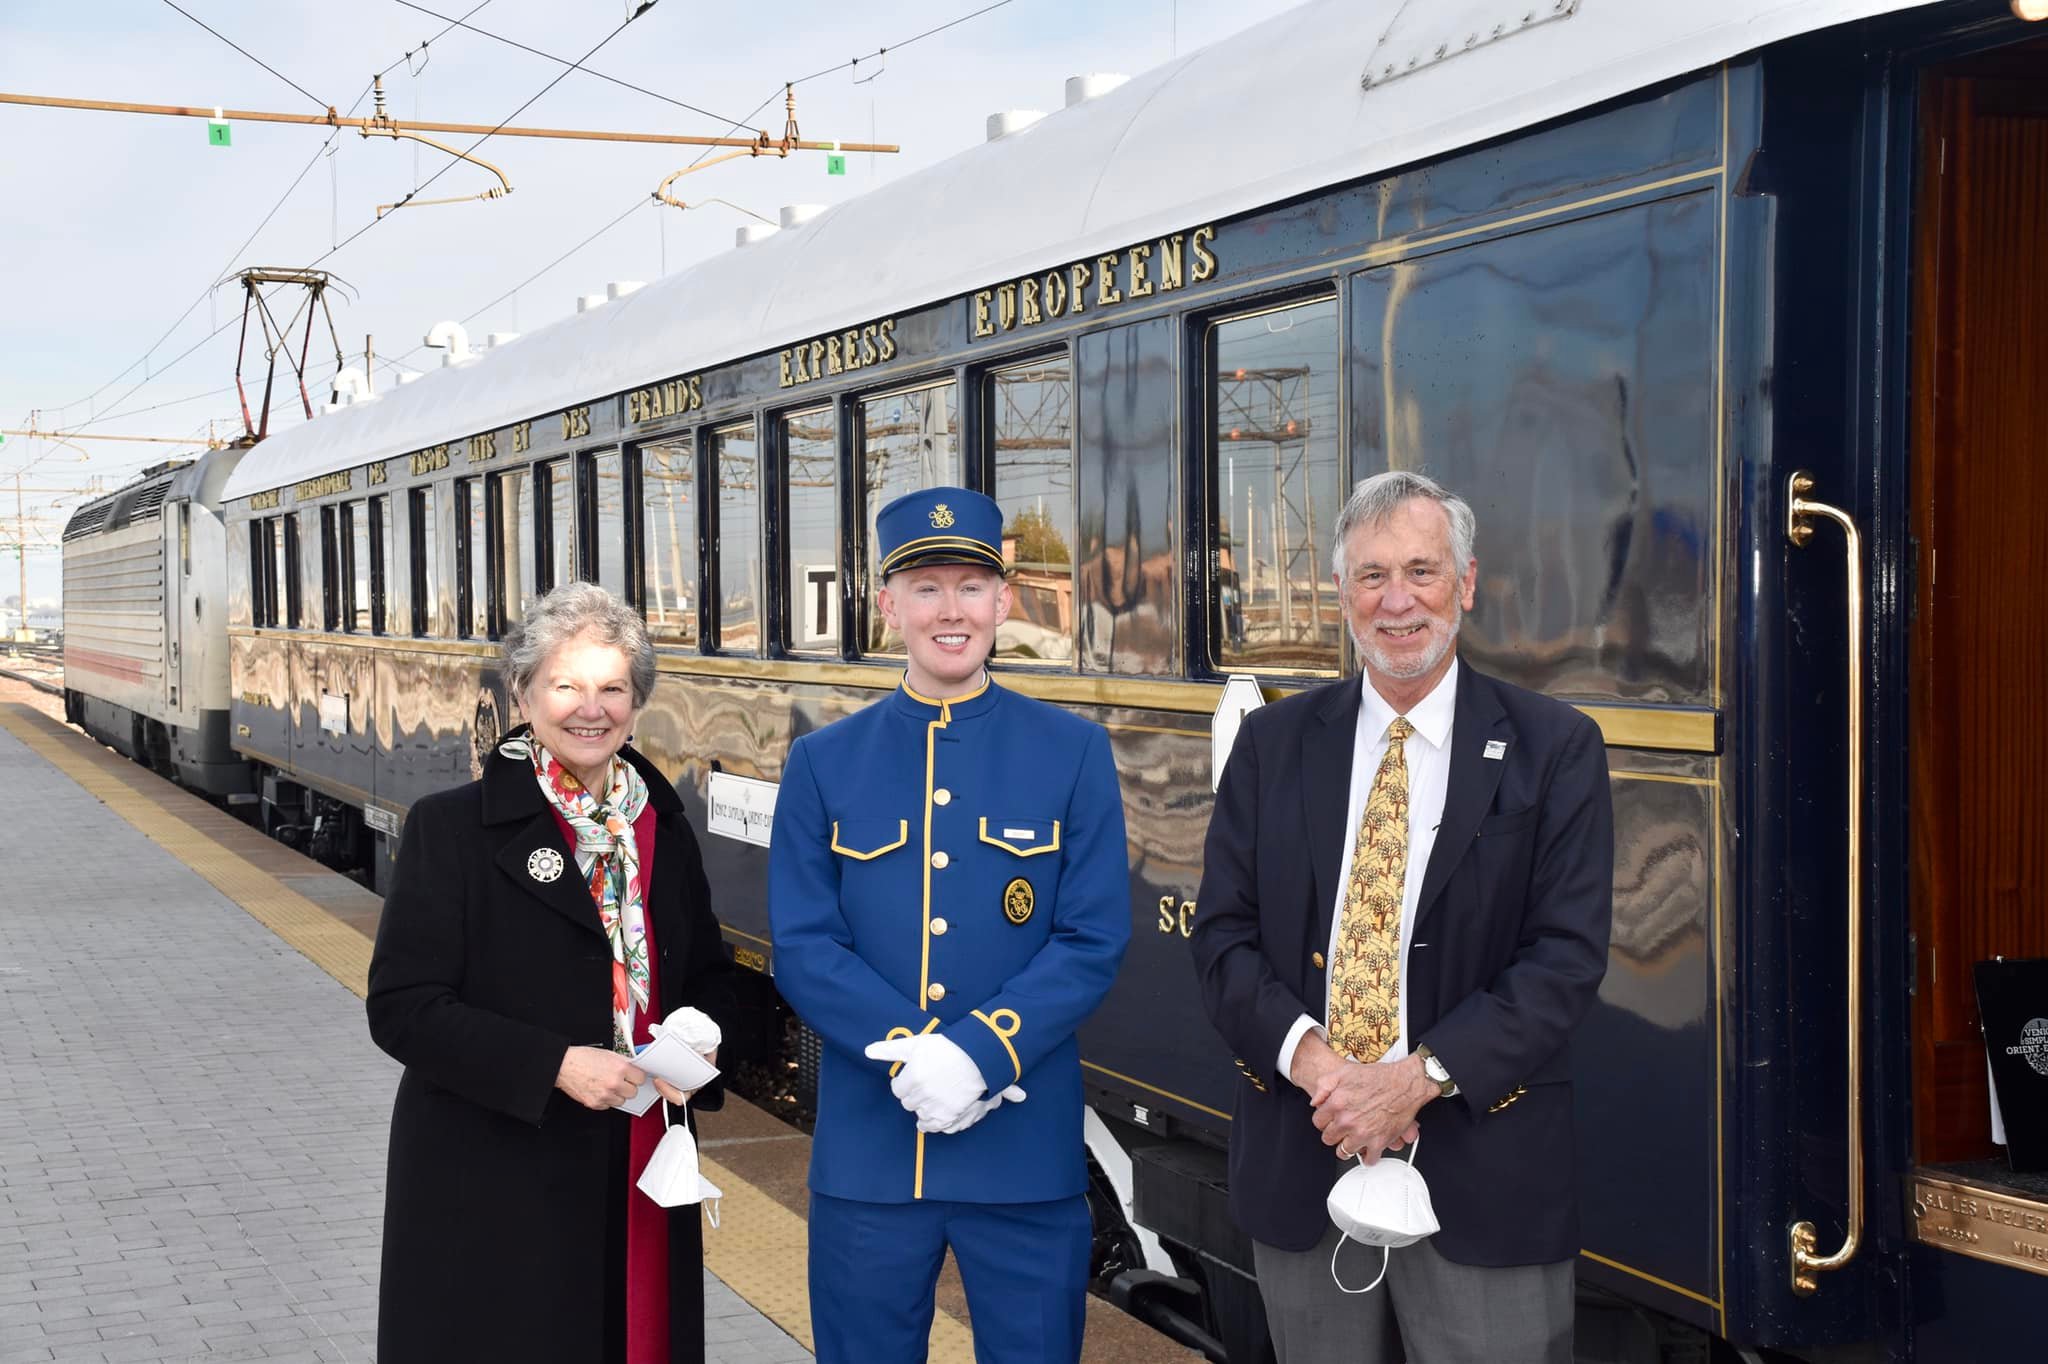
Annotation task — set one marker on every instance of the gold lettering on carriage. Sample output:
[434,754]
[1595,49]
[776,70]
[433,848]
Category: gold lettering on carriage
[325,484]
[2003,1228]
[671,399]
[264,501]
[1141,271]
[840,353]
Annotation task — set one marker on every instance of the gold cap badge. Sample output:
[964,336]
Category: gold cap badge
[942,516]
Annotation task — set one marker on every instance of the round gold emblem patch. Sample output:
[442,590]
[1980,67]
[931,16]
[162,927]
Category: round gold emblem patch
[1018,901]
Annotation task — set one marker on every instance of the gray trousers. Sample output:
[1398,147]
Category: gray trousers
[1448,1313]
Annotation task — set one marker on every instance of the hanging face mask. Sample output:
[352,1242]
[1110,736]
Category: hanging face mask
[1385,1204]
[672,1178]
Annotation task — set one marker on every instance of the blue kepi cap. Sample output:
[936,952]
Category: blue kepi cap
[940,526]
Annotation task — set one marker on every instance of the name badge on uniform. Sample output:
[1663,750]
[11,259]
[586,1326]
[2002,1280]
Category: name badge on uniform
[1495,748]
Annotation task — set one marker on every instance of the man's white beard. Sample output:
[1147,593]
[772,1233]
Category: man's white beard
[1442,635]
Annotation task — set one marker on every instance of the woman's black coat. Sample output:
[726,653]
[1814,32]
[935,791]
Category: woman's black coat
[504,1209]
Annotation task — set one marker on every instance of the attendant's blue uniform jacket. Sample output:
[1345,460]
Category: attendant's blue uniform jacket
[957,866]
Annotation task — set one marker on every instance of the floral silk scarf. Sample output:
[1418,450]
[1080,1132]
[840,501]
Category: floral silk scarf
[608,856]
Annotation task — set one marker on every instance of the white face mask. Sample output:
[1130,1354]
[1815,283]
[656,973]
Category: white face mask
[1385,1204]
[672,1178]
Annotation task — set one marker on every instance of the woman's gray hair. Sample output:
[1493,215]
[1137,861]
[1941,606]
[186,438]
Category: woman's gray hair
[578,609]
[1376,499]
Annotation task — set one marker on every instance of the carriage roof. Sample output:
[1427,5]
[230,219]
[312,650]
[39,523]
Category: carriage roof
[1330,92]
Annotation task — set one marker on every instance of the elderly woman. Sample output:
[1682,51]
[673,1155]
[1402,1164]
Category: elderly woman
[538,920]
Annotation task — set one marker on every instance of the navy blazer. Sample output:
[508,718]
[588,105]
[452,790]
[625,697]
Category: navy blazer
[1507,949]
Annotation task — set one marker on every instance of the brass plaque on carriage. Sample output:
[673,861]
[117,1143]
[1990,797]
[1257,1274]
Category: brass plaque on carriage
[1973,1220]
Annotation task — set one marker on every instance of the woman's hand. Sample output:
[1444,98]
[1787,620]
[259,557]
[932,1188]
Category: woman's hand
[598,1077]
[682,1096]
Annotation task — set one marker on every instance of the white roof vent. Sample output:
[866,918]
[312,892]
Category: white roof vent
[351,385]
[754,232]
[619,288]
[1011,120]
[585,302]
[452,340]
[1080,88]
[408,376]
[796,215]
[497,339]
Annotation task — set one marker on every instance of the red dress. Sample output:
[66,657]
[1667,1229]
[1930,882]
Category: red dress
[646,1221]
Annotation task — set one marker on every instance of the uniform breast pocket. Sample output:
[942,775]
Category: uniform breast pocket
[1022,837]
[864,840]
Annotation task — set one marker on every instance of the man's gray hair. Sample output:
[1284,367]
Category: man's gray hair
[578,609]
[1375,499]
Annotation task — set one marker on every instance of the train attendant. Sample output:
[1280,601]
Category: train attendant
[538,920]
[1405,902]
[949,898]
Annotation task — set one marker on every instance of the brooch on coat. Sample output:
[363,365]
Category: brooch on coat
[545,864]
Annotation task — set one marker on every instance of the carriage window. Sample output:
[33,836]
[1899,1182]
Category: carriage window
[668,541]
[907,441]
[735,455]
[472,560]
[607,498]
[555,494]
[426,566]
[286,560]
[354,544]
[1032,427]
[245,581]
[1274,489]
[516,585]
[382,564]
[316,543]
[811,446]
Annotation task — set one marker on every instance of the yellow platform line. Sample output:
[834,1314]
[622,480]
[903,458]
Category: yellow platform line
[334,947]
[759,1247]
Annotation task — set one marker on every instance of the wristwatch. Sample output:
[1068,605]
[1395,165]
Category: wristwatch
[1434,1069]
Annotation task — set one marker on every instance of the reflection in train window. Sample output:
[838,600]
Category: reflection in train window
[516,585]
[426,567]
[668,541]
[473,558]
[908,440]
[555,494]
[607,498]
[286,559]
[323,564]
[811,447]
[1031,424]
[735,455]
[383,564]
[1274,489]
[354,544]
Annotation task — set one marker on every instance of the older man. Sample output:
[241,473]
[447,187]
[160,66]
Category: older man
[1405,903]
[949,895]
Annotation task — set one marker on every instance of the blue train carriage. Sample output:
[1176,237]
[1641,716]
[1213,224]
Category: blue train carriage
[1672,292]
[145,613]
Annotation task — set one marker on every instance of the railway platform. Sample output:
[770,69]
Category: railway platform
[192,1155]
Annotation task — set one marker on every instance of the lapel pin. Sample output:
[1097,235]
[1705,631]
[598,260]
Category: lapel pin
[544,865]
[1495,748]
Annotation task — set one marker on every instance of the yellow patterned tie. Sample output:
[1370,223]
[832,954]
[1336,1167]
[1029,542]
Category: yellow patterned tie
[1365,978]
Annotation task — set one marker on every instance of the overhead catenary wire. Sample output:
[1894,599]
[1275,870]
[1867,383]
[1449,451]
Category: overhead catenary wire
[247,53]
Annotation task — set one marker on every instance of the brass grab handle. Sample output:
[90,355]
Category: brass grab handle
[1799,530]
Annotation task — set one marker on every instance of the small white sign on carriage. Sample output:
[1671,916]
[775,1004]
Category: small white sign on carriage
[741,808]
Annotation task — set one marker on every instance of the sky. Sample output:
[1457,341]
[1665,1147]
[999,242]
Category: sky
[114,227]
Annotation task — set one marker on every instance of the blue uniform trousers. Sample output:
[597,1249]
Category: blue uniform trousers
[874,1267]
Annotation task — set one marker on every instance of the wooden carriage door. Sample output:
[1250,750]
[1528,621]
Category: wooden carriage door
[1979,683]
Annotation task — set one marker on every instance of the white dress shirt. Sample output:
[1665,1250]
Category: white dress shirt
[1428,752]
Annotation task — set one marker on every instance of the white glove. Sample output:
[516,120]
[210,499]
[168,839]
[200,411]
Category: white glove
[693,1028]
[976,1111]
[939,1082]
